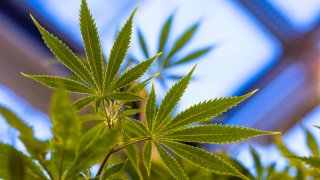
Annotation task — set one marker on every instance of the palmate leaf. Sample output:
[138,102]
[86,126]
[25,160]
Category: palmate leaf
[215,134]
[65,55]
[54,82]
[119,51]
[202,158]
[161,129]
[92,45]
[171,163]
[98,83]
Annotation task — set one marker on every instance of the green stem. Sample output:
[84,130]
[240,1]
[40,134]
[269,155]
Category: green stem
[105,112]
[105,159]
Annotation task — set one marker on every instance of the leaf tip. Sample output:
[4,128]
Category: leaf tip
[156,74]
[159,54]
[275,133]
[25,75]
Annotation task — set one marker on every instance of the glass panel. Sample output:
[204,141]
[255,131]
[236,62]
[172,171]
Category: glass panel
[302,14]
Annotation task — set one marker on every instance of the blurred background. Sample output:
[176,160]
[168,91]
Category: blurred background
[269,45]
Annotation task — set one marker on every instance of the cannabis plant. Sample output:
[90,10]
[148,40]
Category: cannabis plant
[171,57]
[298,168]
[297,163]
[80,142]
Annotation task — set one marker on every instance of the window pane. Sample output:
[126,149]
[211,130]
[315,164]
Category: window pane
[302,14]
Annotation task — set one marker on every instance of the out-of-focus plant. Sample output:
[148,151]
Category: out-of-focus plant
[80,142]
[296,168]
[170,58]
[295,162]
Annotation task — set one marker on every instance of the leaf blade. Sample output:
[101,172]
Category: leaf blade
[65,55]
[134,73]
[165,33]
[193,56]
[257,162]
[55,82]
[119,51]
[183,40]
[215,134]
[203,159]
[143,44]
[133,155]
[312,143]
[150,109]
[171,99]
[92,44]
[113,170]
[146,157]
[124,96]
[205,111]
[170,163]
[84,102]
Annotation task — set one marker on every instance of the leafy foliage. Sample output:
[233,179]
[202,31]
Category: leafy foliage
[171,57]
[297,168]
[68,156]
[98,81]
[157,129]
[79,142]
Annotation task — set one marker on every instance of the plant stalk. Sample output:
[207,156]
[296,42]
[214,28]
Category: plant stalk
[105,159]
[105,112]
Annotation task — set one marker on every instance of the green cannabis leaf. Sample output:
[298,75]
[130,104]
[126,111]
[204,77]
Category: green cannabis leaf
[98,80]
[80,142]
[167,133]
[170,59]
[71,151]
[312,161]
